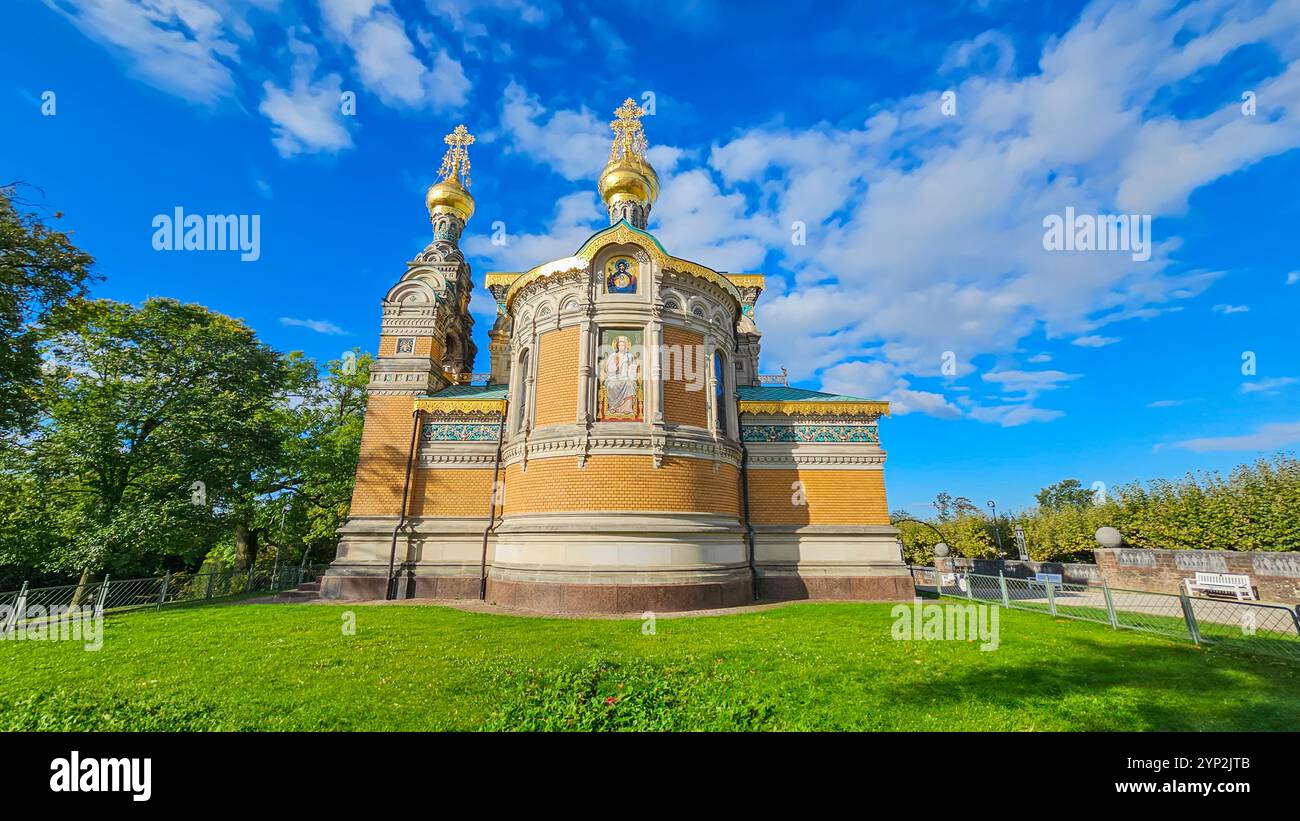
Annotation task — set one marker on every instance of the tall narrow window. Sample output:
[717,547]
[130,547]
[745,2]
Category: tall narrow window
[719,406]
[521,404]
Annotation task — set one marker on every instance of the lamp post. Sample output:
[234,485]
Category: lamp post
[997,531]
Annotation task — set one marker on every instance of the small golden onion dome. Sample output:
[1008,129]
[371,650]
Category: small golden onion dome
[629,178]
[450,194]
[449,197]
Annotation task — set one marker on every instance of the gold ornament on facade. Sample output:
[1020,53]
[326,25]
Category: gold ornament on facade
[628,176]
[450,194]
[619,234]
[450,404]
[797,408]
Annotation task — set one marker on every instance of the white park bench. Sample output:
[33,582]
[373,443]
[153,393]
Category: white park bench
[1227,583]
[1049,578]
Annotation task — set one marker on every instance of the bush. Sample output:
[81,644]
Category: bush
[1255,508]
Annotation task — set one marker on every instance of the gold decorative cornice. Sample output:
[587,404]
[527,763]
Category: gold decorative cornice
[815,408]
[500,278]
[454,404]
[747,280]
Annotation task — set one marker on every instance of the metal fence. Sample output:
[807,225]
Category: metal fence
[109,595]
[1252,627]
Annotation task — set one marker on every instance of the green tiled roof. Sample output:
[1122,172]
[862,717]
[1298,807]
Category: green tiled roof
[469,392]
[748,393]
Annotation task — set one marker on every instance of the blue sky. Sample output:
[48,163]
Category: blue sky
[924,227]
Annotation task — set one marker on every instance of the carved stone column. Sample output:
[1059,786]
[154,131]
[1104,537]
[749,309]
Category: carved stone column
[654,341]
[586,337]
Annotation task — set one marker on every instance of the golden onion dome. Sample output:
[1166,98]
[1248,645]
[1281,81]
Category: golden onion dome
[449,197]
[629,178]
[450,194]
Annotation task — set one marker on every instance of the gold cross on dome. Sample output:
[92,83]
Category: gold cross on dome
[455,163]
[629,136]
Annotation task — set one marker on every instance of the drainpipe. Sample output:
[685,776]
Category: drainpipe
[744,478]
[401,518]
[492,503]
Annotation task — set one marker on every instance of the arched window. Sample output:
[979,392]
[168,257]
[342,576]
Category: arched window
[521,403]
[719,403]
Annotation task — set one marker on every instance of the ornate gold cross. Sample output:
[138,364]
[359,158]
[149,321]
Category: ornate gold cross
[455,163]
[629,136]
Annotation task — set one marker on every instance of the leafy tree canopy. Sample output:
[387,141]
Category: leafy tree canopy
[41,274]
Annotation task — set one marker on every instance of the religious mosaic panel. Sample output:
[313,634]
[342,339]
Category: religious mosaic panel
[621,393]
[620,276]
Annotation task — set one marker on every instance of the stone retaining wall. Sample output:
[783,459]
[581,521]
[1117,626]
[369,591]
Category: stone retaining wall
[1274,576]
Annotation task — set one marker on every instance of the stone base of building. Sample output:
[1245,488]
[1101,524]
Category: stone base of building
[572,565]
[837,588]
[844,562]
[374,586]
[551,597]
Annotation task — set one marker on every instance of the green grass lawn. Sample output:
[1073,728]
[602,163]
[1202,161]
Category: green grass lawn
[804,666]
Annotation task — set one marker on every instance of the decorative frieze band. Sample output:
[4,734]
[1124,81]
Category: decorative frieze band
[656,447]
[867,433]
[813,461]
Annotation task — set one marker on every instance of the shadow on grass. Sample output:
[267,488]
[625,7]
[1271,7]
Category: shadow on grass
[1165,682]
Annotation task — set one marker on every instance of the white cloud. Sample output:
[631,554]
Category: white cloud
[925,232]
[577,216]
[1268,385]
[1265,438]
[696,221]
[903,400]
[990,52]
[575,144]
[879,380]
[1030,383]
[1165,403]
[1095,341]
[1011,416]
[386,58]
[305,118]
[465,19]
[1040,358]
[1231,309]
[319,326]
[1293,277]
[178,46]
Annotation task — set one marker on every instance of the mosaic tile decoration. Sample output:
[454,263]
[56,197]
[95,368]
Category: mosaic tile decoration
[809,433]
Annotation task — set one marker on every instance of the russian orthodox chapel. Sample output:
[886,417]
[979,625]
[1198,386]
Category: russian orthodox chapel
[623,454]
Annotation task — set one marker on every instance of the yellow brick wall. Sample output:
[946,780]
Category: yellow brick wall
[450,492]
[618,482]
[381,467]
[684,403]
[556,399]
[424,346]
[833,497]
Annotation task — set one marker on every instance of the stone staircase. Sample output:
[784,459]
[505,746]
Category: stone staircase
[305,592]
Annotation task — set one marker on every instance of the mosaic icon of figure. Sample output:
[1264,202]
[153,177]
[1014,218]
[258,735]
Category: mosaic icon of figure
[620,375]
[621,280]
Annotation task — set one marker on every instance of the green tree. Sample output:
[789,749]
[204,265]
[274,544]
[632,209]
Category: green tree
[1067,493]
[299,506]
[948,507]
[150,421]
[41,274]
